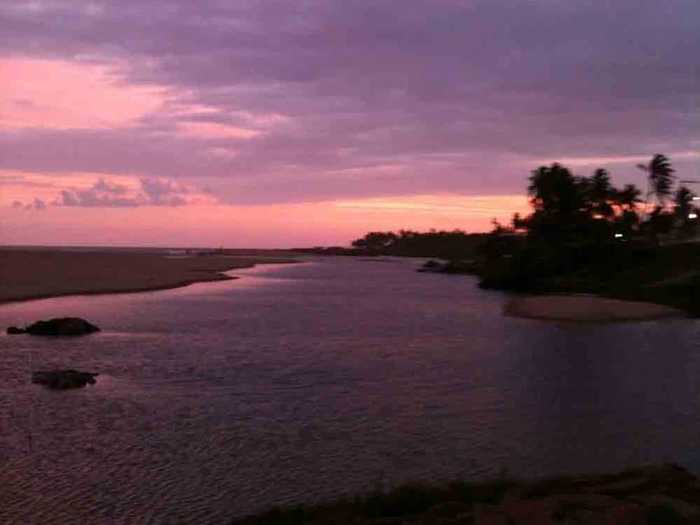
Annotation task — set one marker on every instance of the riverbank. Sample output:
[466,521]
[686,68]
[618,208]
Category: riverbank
[663,275]
[37,274]
[651,495]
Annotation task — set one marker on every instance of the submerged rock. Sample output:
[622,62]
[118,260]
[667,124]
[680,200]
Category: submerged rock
[13,330]
[62,326]
[64,379]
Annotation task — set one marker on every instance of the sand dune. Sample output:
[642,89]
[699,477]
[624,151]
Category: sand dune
[33,274]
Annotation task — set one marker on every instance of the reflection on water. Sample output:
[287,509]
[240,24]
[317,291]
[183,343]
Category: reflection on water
[301,382]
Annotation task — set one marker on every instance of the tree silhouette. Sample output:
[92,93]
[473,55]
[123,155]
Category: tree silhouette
[553,191]
[518,223]
[660,178]
[683,200]
[375,241]
[684,211]
[628,197]
[573,217]
[600,194]
[455,244]
[559,201]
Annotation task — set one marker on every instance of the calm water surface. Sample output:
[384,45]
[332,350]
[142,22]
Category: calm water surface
[303,382]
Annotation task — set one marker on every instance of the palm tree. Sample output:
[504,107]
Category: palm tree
[553,190]
[558,198]
[660,178]
[600,192]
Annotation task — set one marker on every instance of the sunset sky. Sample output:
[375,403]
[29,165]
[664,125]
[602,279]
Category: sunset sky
[299,123]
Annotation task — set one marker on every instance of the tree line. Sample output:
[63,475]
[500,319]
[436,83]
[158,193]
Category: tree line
[568,207]
[455,244]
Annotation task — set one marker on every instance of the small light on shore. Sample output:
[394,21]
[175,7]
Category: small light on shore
[618,236]
[696,198]
[692,215]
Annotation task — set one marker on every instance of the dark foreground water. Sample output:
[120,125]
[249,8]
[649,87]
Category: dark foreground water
[303,382]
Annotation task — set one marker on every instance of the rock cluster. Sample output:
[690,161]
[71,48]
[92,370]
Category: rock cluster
[58,326]
[64,379]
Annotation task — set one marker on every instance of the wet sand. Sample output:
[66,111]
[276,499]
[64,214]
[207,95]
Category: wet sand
[587,308]
[35,274]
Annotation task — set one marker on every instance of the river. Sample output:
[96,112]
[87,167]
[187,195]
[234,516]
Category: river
[298,383]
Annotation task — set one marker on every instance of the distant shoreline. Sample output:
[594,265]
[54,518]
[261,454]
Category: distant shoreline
[27,275]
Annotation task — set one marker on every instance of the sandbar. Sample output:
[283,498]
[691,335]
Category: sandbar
[587,308]
[41,273]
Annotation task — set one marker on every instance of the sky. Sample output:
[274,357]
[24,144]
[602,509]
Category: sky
[301,123]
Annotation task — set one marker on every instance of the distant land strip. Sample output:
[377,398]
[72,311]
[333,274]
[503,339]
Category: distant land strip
[38,274]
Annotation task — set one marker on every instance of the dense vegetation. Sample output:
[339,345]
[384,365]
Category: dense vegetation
[442,244]
[576,209]
[567,210]
[455,244]
[585,235]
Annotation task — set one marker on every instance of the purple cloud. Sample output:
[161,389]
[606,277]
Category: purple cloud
[153,192]
[163,192]
[371,98]
[105,187]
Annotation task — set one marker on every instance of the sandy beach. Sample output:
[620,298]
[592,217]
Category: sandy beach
[586,308]
[34,274]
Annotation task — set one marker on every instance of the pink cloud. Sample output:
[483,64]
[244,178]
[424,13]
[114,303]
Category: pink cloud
[215,131]
[61,94]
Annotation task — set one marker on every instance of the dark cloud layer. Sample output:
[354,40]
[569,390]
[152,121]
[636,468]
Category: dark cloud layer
[370,98]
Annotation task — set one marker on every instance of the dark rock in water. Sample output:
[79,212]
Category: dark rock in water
[452,266]
[64,379]
[62,326]
[13,330]
[432,266]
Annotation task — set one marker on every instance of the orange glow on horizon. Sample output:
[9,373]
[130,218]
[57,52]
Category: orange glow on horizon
[263,226]
[453,205]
